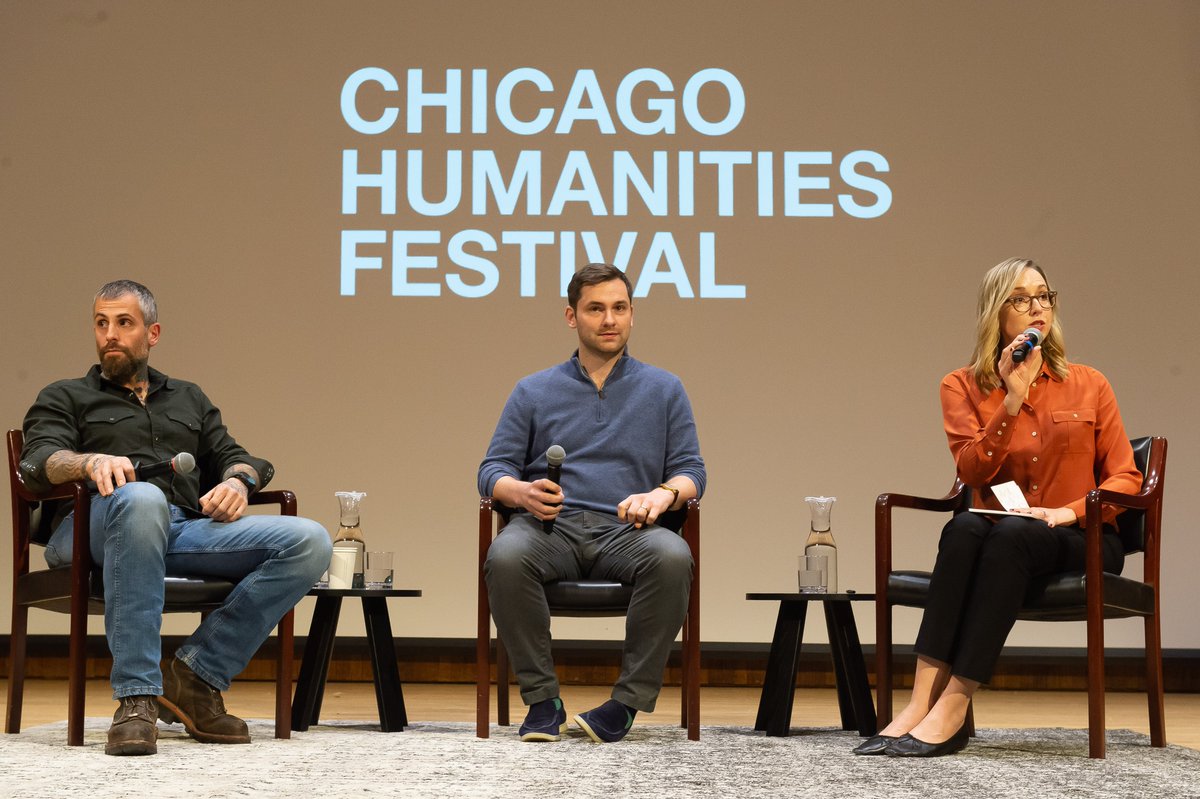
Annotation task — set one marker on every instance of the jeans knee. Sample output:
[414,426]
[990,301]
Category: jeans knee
[143,499]
[137,513]
[314,544]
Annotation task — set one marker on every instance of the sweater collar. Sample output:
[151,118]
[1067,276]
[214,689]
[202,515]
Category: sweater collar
[619,368]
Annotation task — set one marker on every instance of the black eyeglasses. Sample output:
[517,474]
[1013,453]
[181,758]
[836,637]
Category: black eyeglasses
[1021,302]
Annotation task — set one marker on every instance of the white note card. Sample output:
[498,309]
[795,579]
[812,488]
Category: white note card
[1010,495]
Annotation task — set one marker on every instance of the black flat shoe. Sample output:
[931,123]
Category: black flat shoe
[875,745]
[908,746]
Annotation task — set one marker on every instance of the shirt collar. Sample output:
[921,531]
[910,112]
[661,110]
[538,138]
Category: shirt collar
[95,378]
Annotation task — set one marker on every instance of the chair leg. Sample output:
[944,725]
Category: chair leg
[1095,646]
[883,662]
[283,675]
[16,667]
[970,719]
[501,684]
[683,678]
[1154,682]
[77,660]
[691,668]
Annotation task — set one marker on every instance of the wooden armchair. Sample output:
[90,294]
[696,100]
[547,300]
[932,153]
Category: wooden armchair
[585,598]
[1091,595]
[77,590]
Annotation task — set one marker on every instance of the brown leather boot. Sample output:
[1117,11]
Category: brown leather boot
[191,700]
[134,730]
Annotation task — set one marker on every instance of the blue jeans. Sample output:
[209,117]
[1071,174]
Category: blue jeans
[138,538]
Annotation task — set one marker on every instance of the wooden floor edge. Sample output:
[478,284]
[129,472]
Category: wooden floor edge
[732,664]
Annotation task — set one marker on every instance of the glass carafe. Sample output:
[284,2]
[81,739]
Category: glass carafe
[349,533]
[820,538]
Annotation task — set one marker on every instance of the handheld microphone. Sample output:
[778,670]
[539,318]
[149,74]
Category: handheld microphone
[554,461]
[1025,347]
[183,463]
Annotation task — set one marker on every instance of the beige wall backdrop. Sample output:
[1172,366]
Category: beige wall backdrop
[198,147]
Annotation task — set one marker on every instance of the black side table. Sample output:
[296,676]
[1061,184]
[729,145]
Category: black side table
[849,669]
[318,650]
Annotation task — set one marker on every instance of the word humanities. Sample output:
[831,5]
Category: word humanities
[418,272]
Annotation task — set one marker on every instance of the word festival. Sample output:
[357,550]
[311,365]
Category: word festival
[535,185]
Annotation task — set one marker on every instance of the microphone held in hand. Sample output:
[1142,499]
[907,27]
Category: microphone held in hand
[554,460]
[183,463]
[1025,347]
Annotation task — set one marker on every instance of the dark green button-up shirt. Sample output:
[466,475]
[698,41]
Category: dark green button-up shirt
[92,414]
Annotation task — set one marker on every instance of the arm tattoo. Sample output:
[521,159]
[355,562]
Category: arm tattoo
[65,466]
[242,467]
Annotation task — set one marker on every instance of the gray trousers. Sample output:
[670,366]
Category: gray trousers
[587,545]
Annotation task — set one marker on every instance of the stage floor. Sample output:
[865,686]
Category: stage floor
[46,701]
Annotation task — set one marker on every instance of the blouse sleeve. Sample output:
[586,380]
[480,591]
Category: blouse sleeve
[979,445]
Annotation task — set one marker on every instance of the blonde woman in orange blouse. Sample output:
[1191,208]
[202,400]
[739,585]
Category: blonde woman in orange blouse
[1053,428]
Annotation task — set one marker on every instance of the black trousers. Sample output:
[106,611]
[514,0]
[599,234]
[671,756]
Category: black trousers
[983,570]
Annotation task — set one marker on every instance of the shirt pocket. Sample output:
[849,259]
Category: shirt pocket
[182,431]
[109,429]
[1080,428]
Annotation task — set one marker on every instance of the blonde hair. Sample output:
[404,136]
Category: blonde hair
[997,287]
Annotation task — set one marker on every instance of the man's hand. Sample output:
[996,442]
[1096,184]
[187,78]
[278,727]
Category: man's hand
[226,502]
[1054,517]
[543,498]
[109,472]
[644,509]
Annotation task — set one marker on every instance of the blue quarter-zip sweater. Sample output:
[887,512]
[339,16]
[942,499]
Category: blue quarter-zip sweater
[637,432]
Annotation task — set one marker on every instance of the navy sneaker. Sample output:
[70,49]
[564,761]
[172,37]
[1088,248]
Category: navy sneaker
[607,723]
[545,721]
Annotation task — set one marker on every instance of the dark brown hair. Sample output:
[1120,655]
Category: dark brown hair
[594,275]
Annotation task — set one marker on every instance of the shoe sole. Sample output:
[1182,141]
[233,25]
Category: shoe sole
[590,732]
[545,737]
[169,713]
[132,748]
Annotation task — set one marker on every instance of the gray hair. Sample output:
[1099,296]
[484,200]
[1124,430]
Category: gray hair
[120,288]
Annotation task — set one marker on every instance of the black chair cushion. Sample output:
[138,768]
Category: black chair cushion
[50,589]
[1061,597]
[588,597]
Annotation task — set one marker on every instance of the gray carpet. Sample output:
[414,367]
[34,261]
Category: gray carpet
[446,760]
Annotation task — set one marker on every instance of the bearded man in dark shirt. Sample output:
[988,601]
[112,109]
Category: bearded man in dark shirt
[99,428]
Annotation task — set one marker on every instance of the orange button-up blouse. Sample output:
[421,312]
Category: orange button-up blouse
[1066,440]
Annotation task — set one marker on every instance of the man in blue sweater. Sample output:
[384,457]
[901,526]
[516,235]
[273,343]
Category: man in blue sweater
[632,454]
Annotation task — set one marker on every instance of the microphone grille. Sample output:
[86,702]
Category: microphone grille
[183,463]
[1035,335]
[555,455]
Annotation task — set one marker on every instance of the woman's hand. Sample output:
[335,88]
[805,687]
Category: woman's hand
[1018,377]
[1054,517]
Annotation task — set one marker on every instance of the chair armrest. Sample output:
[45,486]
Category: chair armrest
[955,500]
[950,502]
[63,491]
[691,529]
[486,505]
[1148,499]
[286,500]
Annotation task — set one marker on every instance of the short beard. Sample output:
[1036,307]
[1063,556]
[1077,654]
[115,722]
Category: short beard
[127,370]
